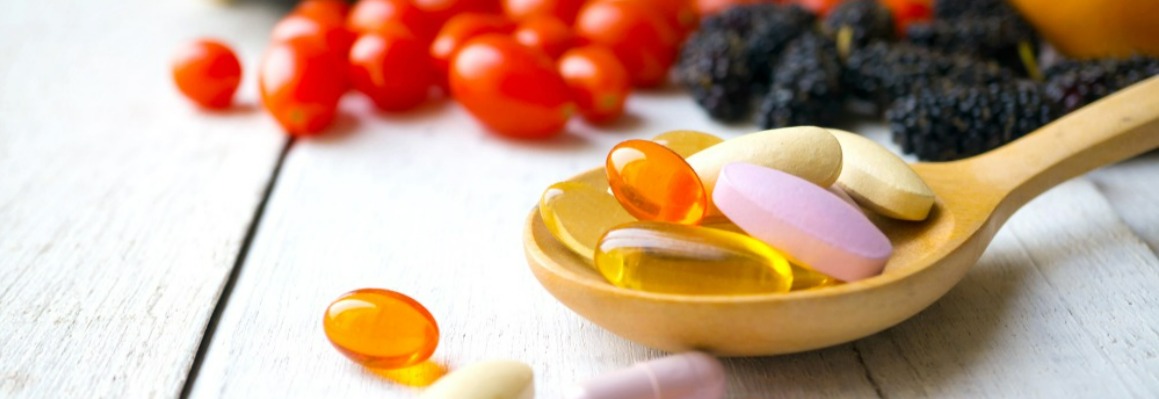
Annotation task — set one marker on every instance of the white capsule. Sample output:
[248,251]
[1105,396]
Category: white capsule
[691,375]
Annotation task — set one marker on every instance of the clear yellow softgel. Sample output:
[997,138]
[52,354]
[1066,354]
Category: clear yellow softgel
[681,259]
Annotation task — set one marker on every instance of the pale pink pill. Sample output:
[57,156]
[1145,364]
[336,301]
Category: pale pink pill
[808,223]
[691,375]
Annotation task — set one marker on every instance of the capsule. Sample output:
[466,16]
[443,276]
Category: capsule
[686,142]
[577,215]
[381,329]
[806,279]
[679,259]
[691,375]
[653,183]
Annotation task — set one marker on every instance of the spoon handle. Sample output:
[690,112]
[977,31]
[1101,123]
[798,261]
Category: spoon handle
[1110,130]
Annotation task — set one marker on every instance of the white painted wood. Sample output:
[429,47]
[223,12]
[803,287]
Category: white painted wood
[429,205]
[122,208]
[1061,305]
[1132,187]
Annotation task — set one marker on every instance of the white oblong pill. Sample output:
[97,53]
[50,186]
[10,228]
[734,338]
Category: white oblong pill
[690,375]
[494,379]
[809,224]
[880,180]
[808,152]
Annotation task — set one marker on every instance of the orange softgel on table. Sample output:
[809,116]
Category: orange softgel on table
[381,329]
[654,183]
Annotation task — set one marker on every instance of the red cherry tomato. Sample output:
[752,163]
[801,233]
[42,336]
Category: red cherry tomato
[565,10]
[207,72]
[680,14]
[392,69]
[545,33]
[294,26]
[906,12]
[598,82]
[380,15]
[301,82]
[513,90]
[462,28]
[330,12]
[641,39]
[705,8]
[441,11]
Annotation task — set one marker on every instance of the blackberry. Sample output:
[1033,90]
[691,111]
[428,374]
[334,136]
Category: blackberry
[855,23]
[714,67]
[882,72]
[1073,84]
[806,85]
[950,9]
[953,122]
[1007,39]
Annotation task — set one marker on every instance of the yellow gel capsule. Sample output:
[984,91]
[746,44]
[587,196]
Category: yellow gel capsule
[681,259]
[687,142]
[806,279]
[577,214]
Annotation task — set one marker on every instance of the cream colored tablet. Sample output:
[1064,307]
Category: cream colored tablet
[881,181]
[808,152]
[495,379]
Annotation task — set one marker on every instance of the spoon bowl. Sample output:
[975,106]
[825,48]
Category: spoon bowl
[975,196]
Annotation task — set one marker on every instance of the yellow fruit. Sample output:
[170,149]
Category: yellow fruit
[1090,29]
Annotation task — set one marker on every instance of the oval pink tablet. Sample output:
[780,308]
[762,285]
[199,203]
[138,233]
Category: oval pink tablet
[690,375]
[808,223]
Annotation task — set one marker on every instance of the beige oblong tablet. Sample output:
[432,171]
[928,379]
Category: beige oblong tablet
[881,181]
[808,152]
[494,379]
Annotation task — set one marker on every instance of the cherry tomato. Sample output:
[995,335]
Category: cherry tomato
[441,11]
[598,81]
[545,33]
[301,82]
[392,69]
[643,42]
[381,15]
[906,12]
[294,26]
[565,10]
[680,14]
[511,89]
[462,28]
[207,72]
[705,8]
[330,12]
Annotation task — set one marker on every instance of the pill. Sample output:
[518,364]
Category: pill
[691,375]
[687,142]
[493,379]
[381,329]
[577,215]
[653,183]
[808,152]
[809,224]
[880,180]
[680,259]
[806,279]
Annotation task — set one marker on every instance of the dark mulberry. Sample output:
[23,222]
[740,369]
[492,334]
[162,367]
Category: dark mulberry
[806,85]
[1073,84]
[856,23]
[882,72]
[1008,40]
[954,122]
[714,67]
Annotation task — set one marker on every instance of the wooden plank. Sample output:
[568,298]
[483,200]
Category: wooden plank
[1132,187]
[122,208]
[428,204]
[1059,306]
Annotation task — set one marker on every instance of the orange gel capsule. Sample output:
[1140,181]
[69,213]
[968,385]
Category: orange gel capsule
[652,182]
[381,329]
[678,259]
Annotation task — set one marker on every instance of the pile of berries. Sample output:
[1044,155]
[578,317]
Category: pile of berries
[953,78]
[520,67]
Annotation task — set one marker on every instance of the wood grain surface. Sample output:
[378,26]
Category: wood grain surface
[122,208]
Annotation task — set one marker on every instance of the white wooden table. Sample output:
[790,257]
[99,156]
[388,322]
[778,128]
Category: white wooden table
[148,249]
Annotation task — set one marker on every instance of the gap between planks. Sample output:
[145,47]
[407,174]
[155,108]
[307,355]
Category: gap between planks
[231,280]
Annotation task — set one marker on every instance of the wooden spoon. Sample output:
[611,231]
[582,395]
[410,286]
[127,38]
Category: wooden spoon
[975,197]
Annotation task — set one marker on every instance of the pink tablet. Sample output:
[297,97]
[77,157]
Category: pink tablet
[811,225]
